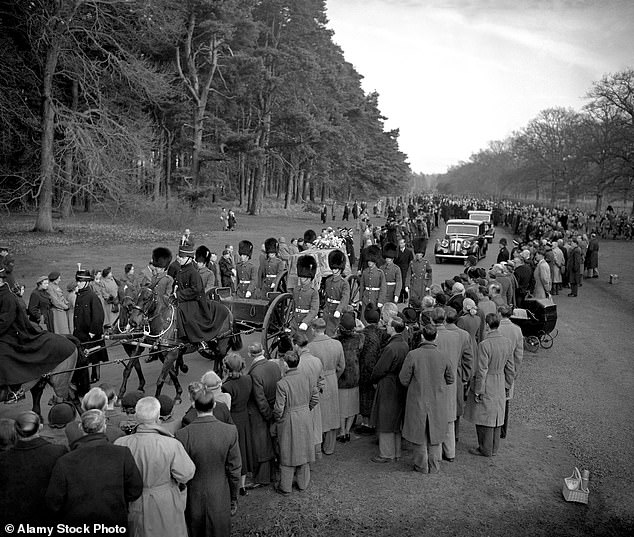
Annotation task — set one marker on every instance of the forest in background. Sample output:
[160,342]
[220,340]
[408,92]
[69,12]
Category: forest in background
[120,102]
[562,155]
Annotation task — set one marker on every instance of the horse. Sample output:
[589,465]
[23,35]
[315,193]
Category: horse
[59,378]
[159,328]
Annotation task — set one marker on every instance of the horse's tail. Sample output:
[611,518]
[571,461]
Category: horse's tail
[235,341]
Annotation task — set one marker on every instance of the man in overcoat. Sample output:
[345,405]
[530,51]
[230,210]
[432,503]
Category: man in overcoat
[574,268]
[164,466]
[404,256]
[264,377]
[541,276]
[514,334]
[492,378]
[330,352]
[426,372]
[76,490]
[295,400]
[389,402]
[212,494]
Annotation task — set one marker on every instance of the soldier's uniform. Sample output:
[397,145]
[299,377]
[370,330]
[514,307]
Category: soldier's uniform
[203,255]
[306,298]
[246,271]
[372,285]
[418,277]
[393,277]
[270,268]
[337,291]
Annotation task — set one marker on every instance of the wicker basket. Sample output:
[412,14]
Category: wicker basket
[573,490]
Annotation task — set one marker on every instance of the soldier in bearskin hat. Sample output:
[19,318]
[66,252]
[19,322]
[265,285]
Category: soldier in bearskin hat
[271,268]
[88,321]
[306,298]
[162,282]
[418,278]
[246,270]
[372,284]
[203,256]
[393,277]
[337,291]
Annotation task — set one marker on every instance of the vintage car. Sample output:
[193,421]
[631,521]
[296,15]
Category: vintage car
[462,239]
[484,216]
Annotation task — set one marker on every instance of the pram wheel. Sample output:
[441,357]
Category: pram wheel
[546,341]
[531,343]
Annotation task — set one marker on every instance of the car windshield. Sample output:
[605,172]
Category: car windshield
[480,217]
[458,229]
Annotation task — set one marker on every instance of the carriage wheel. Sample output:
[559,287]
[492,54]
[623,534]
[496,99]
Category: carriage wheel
[280,283]
[353,282]
[546,340]
[277,322]
[531,343]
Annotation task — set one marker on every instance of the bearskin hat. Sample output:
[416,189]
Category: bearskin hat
[306,266]
[389,250]
[309,236]
[203,255]
[271,246]
[373,254]
[245,248]
[337,260]
[419,246]
[161,257]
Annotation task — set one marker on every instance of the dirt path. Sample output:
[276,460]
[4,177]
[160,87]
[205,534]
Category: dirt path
[573,406]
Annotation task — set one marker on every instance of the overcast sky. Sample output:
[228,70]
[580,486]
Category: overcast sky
[453,75]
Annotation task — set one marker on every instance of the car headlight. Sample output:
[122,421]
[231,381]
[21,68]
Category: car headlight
[466,244]
[444,243]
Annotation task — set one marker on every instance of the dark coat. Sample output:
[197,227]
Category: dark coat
[214,448]
[94,483]
[40,309]
[240,391]
[27,351]
[194,320]
[389,401]
[352,343]
[264,376]
[373,342]
[221,413]
[88,318]
[25,471]
[574,266]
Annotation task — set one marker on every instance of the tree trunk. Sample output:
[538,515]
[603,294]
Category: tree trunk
[168,169]
[199,116]
[44,221]
[323,192]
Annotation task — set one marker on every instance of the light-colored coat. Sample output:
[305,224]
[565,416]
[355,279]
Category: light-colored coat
[294,401]
[427,372]
[465,366]
[493,374]
[543,283]
[312,367]
[559,264]
[514,333]
[449,343]
[164,464]
[59,309]
[330,352]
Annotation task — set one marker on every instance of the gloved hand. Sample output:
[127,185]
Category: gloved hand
[337,314]
[247,294]
[407,290]
[303,326]
[380,304]
[395,299]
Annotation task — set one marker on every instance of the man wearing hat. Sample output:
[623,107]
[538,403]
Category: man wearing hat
[194,321]
[372,284]
[246,271]
[59,416]
[574,267]
[337,291]
[393,279]
[503,254]
[523,275]
[404,256]
[541,276]
[88,321]
[40,305]
[418,277]
[59,304]
[305,297]
[25,471]
[272,267]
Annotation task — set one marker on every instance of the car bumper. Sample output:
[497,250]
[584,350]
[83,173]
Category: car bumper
[452,256]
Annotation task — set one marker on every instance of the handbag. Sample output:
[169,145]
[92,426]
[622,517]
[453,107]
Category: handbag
[573,489]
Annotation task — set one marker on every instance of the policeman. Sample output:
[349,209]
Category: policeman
[271,268]
[306,298]
[393,277]
[337,291]
[246,271]
[418,278]
[372,284]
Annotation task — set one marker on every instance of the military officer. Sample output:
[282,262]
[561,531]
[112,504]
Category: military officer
[270,268]
[246,271]
[393,277]
[418,277]
[372,284]
[305,296]
[337,291]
